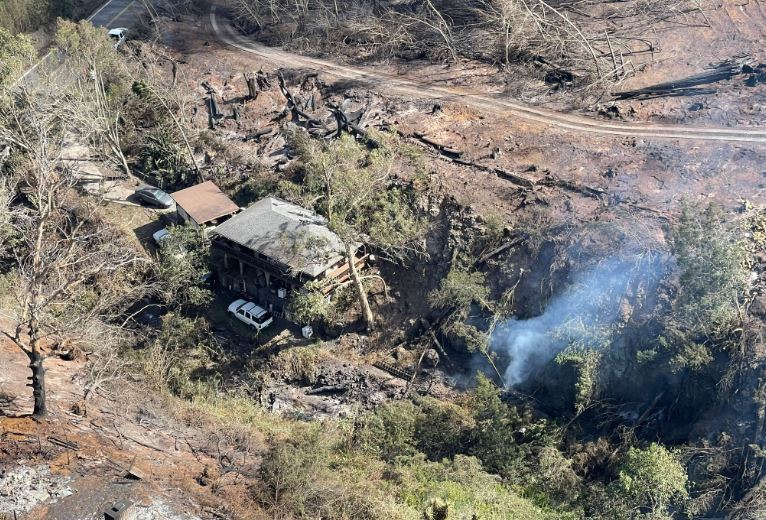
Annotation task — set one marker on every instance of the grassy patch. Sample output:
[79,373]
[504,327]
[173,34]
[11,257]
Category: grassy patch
[300,363]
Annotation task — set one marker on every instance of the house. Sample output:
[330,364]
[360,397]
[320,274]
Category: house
[273,247]
[203,205]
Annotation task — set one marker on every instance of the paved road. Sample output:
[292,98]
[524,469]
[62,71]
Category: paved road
[497,105]
[114,13]
[117,13]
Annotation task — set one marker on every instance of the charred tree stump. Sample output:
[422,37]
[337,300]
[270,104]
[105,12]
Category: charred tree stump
[252,87]
[256,82]
[293,105]
[214,115]
[37,381]
[214,107]
[263,80]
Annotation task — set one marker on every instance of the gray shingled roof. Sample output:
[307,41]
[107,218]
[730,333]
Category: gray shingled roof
[289,234]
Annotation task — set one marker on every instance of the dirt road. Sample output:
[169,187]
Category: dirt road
[412,87]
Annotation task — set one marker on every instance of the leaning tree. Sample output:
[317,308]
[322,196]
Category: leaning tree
[354,187]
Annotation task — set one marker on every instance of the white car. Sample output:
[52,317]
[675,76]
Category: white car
[160,236]
[118,35]
[249,313]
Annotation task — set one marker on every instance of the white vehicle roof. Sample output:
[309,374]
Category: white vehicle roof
[254,309]
[162,234]
[118,31]
[236,305]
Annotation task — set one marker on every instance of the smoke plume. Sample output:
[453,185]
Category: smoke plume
[584,316]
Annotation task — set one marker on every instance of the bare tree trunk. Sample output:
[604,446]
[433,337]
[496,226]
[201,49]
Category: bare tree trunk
[369,319]
[36,359]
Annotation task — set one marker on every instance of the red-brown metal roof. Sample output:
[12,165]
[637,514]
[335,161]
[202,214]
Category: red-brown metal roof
[204,202]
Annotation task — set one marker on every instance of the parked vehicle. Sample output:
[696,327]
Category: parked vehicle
[251,314]
[160,236]
[154,196]
[117,35]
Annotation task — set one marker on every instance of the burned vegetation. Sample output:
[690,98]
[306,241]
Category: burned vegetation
[588,44]
[240,289]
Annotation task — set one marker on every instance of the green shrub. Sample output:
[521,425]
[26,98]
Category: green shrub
[299,363]
[309,478]
[389,432]
[711,260]
[16,52]
[181,356]
[459,289]
[442,429]
[652,478]
[463,487]
[310,305]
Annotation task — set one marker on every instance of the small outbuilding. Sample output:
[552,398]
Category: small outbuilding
[203,205]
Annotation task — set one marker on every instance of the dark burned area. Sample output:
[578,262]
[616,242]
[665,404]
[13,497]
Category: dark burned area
[573,330]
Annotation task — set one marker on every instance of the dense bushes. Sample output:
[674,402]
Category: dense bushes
[711,260]
[375,470]
[27,15]
[370,468]
[15,53]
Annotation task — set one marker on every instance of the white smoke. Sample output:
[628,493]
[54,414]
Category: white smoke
[585,314]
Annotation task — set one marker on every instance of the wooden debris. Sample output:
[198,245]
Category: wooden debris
[502,248]
[347,122]
[134,473]
[571,186]
[63,443]
[686,86]
[327,389]
[393,370]
[258,134]
[442,148]
[293,105]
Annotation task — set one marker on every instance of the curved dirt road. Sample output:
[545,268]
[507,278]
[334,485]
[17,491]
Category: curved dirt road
[410,87]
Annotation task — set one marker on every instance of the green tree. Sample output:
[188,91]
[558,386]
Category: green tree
[86,45]
[310,305]
[353,186]
[491,438]
[102,89]
[652,478]
[711,261]
[72,269]
[184,260]
[16,52]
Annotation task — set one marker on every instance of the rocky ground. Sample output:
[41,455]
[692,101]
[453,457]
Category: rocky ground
[74,466]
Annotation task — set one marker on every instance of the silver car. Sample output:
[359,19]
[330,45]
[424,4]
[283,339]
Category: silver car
[117,35]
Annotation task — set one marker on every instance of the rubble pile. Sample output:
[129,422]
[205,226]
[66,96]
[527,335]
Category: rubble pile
[24,487]
[159,511]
